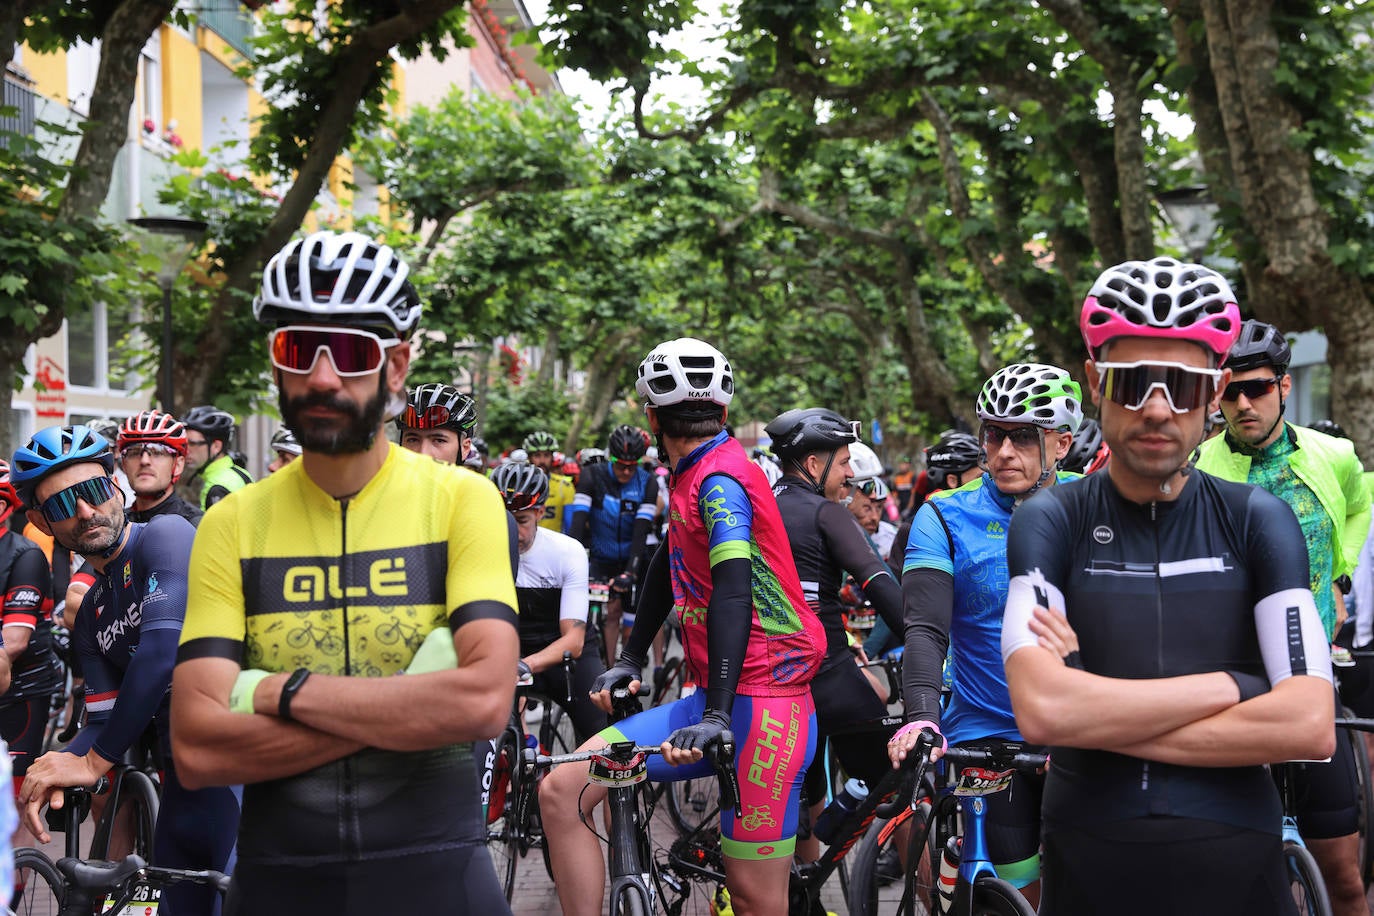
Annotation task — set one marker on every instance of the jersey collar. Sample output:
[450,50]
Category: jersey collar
[686,464]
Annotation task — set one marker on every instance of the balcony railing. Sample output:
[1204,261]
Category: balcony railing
[17,113]
[230,21]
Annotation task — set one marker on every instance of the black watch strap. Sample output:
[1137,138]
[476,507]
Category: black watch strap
[289,690]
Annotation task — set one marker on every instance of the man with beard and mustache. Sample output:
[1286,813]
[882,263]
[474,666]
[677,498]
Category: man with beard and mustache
[1160,632]
[1321,479]
[126,637]
[312,588]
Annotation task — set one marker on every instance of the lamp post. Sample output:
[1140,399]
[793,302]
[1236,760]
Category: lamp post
[171,239]
[1193,215]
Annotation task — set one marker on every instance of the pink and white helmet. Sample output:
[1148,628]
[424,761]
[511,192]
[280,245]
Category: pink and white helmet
[1161,298]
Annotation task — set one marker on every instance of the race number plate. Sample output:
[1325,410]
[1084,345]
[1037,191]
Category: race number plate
[978,781]
[143,903]
[605,771]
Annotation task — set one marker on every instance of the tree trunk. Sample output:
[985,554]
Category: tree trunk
[603,375]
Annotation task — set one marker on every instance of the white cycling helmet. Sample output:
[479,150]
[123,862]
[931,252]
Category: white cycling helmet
[1164,299]
[338,276]
[1044,396]
[864,462]
[686,370]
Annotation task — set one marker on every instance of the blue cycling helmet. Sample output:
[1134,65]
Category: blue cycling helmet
[52,449]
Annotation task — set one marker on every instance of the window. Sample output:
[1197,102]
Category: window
[150,79]
[101,348]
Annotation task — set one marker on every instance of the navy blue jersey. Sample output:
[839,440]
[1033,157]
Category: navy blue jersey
[1216,580]
[126,634]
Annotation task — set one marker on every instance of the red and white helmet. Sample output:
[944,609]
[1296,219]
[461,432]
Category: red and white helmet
[153,426]
[1161,298]
[7,491]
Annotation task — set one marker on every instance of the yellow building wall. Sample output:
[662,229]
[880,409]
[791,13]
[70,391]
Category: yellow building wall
[181,98]
[218,48]
[49,73]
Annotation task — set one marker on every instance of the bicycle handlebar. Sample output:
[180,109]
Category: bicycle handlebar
[1359,725]
[1008,755]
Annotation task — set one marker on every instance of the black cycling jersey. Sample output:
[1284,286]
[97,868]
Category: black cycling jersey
[827,542]
[172,505]
[26,580]
[1216,580]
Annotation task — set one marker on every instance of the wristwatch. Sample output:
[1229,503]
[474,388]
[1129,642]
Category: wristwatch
[288,692]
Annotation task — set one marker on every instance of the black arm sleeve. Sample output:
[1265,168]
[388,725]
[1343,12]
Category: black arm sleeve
[513,536]
[849,547]
[577,524]
[655,603]
[728,620]
[639,536]
[928,602]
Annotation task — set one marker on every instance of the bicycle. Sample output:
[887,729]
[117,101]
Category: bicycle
[1304,877]
[697,857]
[934,833]
[513,824]
[622,767]
[94,885]
[73,886]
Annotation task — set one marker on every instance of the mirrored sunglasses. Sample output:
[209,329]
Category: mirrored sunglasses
[352,352]
[94,492]
[435,416]
[1131,384]
[1252,388]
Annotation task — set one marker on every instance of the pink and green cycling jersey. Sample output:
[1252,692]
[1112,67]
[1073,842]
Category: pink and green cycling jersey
[722,508]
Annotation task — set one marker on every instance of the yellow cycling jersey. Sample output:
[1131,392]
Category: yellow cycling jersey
[284,576]
[561,493]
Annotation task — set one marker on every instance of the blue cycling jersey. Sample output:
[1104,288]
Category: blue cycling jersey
[966,530]
[126,634]
[611,509]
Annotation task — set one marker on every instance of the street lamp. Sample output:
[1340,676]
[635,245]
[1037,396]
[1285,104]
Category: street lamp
[1193,215]
[171,239]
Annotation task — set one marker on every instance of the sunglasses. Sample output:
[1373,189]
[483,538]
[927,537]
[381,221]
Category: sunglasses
[872,487]
[351,352]
[151,449]
[435,416]
[1020,436]
[62,505]
[1252,388]
[1131,384]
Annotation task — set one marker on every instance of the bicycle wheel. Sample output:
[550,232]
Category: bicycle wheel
[629,903]
[1364,803]
[1309,890]
[38,888]
[503,831]
[876,875]
[995,897]
[128,823]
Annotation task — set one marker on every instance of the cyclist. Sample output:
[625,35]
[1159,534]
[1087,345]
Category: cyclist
[749,640]
[540,446]
[1029,414]
[285,449]
[438,421]
[813,446]
[1192,651]
[359,561]
[126,635]
[207,454]
[611,514]
[152,451]
[29,668]
[1322,481]
[551,586]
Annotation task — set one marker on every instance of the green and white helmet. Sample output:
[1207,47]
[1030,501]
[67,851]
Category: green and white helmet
[1032,393]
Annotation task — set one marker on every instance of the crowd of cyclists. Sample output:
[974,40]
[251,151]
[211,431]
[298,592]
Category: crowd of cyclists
[317,662]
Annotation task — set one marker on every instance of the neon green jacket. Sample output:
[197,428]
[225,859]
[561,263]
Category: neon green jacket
[1330,468]
[221,477]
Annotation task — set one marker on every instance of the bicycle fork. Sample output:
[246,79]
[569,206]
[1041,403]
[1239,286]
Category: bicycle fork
[629,866]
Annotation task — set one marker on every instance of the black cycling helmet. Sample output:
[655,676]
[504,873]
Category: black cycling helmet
[1330,427]
[628,443]
[1084,448]
[1259,345]
[540,441]
[522,485]
[806,431]
[438,406]
[801,432]
[210,422]
[954,453]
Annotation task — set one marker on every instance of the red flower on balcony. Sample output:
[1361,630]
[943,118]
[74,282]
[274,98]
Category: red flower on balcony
[148,126]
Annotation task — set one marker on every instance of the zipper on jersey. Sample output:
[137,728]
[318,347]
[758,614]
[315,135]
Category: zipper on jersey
[1159,625]
[348,795]
[343,583]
